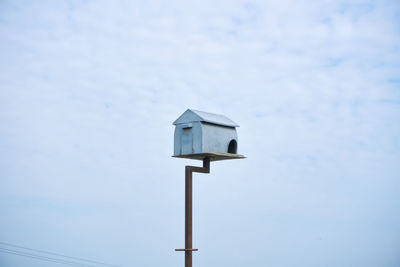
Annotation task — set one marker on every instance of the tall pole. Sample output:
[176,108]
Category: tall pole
[188,215]
[188,208]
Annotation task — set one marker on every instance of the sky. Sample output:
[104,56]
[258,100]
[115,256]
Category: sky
[88,94]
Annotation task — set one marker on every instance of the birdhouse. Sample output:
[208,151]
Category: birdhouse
[201,134]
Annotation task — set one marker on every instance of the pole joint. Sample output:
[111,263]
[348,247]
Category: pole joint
[204,169]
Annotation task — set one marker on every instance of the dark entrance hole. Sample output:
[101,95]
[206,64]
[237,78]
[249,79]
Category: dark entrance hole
[232,148]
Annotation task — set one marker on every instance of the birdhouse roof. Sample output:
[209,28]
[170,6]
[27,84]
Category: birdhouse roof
[192,115]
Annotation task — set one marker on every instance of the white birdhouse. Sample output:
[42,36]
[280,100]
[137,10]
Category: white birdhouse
[201,134]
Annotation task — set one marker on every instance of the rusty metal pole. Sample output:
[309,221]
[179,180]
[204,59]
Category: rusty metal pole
[188,215]
[189,207]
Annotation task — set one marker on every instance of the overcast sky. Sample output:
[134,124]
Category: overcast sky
[88,94]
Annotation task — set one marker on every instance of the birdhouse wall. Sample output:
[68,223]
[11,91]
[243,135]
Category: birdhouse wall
[188,138]
[200,137]
[216,138]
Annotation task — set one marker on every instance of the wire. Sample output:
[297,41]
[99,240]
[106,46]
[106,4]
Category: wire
[57,254]
[38,257]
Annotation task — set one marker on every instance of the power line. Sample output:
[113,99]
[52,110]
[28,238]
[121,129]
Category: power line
[57,254]
[38,257]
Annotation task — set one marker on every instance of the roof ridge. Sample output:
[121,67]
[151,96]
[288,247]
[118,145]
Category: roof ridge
[209,117]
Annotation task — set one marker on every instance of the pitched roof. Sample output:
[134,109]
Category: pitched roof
[192,115]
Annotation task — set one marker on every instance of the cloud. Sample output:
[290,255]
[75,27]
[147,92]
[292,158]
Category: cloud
[89,90]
